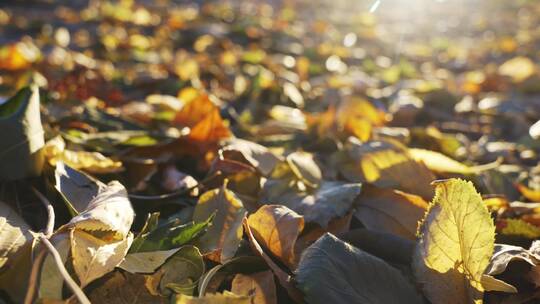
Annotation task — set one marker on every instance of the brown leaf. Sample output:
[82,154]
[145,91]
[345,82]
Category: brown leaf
[390,211]
[260,285]
[277,228]
[123,287]
[224,236]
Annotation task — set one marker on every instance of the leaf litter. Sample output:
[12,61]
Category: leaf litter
[269,152]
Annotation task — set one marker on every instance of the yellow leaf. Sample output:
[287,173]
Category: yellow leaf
[223,237]
[518,68]
[218,298]
[456,243]
[260,285]
[386,165]
[92,162]
[441,163]
[531,194]
[518,227]
[277,228]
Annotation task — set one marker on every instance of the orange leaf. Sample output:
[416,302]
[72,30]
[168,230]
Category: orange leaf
[277,228]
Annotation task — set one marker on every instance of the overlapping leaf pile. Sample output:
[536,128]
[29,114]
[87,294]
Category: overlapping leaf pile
[249,152]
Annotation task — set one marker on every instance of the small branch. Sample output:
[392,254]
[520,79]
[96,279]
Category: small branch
[49,229]
[175,194]
[77,291]
[34,275]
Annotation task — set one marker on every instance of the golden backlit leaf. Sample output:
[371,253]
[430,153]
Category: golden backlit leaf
[456,243]
[390,211]
[518,227]
[531,194]
[385,165]
[441,163]
[92,162]
[277,228]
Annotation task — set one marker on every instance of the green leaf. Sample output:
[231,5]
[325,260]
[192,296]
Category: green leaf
[181,273]
[332,271]
[22,136]
[456,243]
[169,235]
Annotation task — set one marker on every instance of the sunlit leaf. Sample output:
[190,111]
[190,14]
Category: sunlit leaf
[441,163]
[121,287]
[518,227]
[518,68]
[277,228]
[456,243]
[385,165]
[93,162]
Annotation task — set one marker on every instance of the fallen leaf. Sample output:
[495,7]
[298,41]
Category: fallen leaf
[456,243]
[180,274]
[224,236]
[390,211]
[518,227]
[256,155]
[77,188]
[217,298]
[441,163]
[277,228]
[109,212]
[123,287]
[284,279]
[93,257]
[332,271]
[385,165]
[14,233]
[490,283]
[304,168]
[92,162]
[51,281]
[259,285]
[169,235]
[22,136]
[330,200]
[530,194]
[146,262]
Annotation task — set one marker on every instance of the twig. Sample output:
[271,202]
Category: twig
[178,193]
[34,274]
[77,291]
[49,229]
